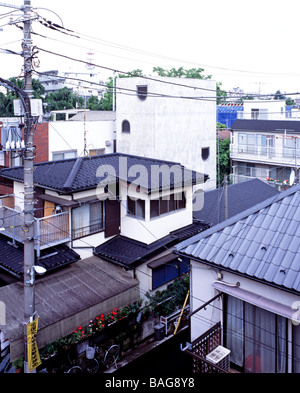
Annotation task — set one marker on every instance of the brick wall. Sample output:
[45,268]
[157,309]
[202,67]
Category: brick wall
[41,142]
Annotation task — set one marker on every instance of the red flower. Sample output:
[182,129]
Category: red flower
[79,327]
[97,318]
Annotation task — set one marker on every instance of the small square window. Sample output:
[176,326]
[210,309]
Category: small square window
[205,153]
[142,92]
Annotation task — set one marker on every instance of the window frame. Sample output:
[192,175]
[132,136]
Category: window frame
[167,204]
[127,129]
[82,231]
[142,95]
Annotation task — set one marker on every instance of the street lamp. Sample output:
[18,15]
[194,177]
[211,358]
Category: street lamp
[35,269]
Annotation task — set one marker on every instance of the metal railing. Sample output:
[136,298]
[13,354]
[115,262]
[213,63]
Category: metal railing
[49,231]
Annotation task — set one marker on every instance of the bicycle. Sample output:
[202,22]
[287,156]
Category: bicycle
[108,356]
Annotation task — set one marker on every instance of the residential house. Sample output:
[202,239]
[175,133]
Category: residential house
[126,209]
[265,149]
[245,287]
[226,202]
[66,297]
[265,110]
[154,120]
[86,133]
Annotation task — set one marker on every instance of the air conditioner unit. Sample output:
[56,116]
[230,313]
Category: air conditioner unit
[220,356]
[107,143]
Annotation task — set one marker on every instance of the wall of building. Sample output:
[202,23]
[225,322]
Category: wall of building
[149,230]
[201,290]
[173,129]
[69,135]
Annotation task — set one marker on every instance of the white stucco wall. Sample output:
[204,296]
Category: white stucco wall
[69,135]
[201,291]
[149,230]
[174,129]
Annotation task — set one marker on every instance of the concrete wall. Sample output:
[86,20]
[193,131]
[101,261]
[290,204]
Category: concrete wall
[174,129]
[69,135]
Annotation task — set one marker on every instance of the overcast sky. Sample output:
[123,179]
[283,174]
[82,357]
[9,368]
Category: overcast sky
[250,44]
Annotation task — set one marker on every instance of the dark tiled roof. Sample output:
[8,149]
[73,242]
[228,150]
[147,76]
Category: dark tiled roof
[262,243]
[241,196]
[277,126]
[82,173]
[12,258]
[129,252]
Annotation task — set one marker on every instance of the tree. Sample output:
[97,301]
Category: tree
[223,156]
[93,103]
[6,101]
[279,96]
[63,99]
[195,73]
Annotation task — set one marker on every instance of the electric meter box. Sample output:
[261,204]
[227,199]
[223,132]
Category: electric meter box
[35,104]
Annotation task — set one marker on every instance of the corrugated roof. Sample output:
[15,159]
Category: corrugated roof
[77,174]
[12,258]
[263,242]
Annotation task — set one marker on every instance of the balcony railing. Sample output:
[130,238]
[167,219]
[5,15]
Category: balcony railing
[284,155]
[201,347]
[49,231]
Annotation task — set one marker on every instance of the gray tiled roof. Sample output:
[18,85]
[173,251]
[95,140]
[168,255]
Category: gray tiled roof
[77,174]
[241,196]
[12,258]
[129,252]
[262,243]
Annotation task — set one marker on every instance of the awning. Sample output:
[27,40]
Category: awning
[162,261]
[66,299]
[57,200]
[257,300]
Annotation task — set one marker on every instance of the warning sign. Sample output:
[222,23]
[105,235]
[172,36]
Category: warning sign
[32,348]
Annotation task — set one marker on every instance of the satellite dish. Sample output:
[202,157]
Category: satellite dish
[292,177]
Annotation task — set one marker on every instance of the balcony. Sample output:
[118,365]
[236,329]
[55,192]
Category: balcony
[49,231]
[265,154]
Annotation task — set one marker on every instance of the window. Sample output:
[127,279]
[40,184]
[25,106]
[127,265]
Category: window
[254,114]
[205,153]
[167,204]
[96,152]
[126,126]
[142,92]
[169,271]
[63,155]
[87,219]
[257,338]
[136,207]
[296,349]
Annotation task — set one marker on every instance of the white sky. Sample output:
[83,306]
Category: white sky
[250,44]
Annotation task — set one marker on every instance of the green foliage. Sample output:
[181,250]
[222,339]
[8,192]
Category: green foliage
[180,72]
[63,99]
[223,159]
[170,299]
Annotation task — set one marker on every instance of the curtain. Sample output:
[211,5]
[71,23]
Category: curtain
[296,348]
[235,335]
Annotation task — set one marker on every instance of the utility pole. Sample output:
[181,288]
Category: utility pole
[29,298]
[225,197]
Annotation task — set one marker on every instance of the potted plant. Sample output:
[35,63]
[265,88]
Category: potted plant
[18,365]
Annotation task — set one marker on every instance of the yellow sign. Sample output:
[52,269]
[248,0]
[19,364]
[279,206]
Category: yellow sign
[32,348]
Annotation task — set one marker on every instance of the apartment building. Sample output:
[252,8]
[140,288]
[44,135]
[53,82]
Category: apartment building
[265,149]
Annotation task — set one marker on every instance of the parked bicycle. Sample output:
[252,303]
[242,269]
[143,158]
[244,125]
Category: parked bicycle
[96,357]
